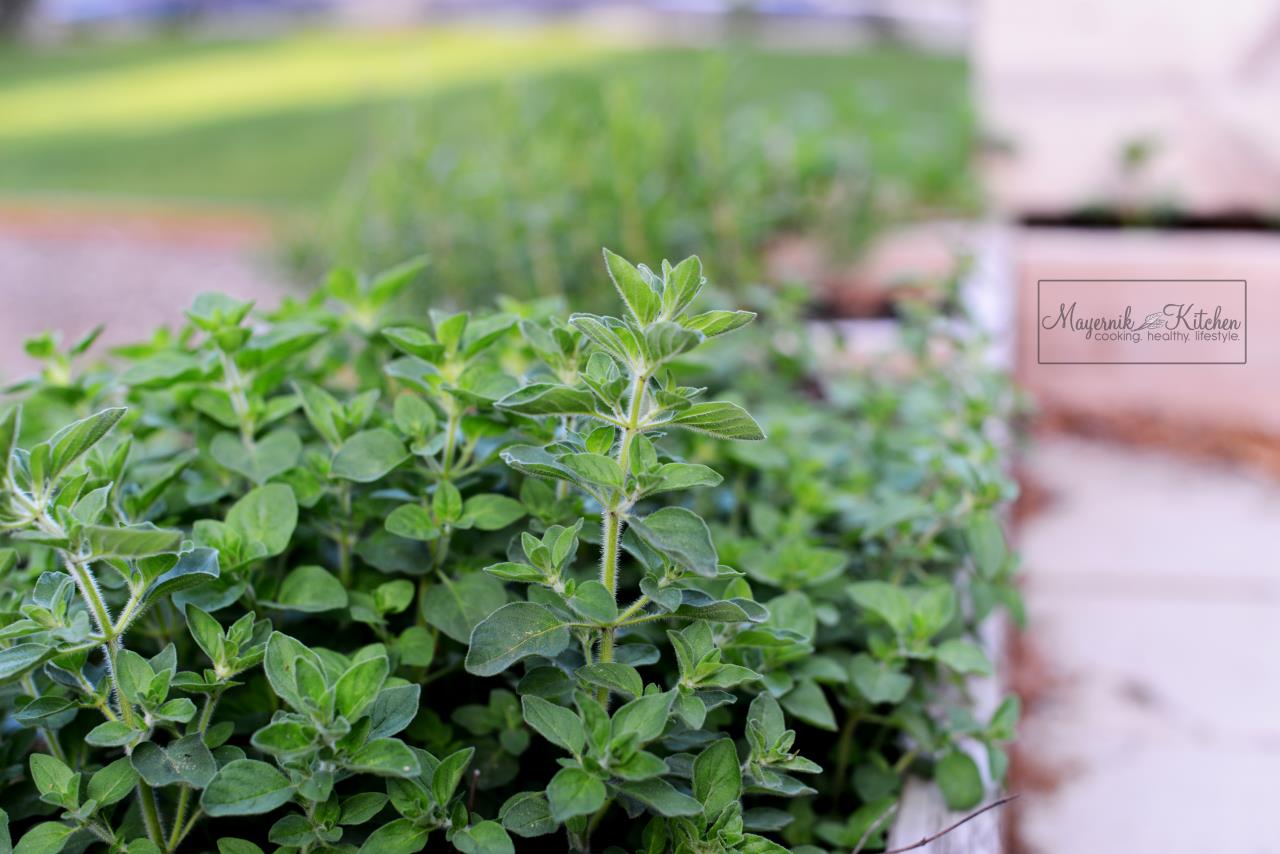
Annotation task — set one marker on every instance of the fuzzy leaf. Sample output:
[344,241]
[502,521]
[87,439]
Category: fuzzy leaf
[513,632]
[246,787]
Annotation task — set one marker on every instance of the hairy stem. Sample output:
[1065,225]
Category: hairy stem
[151,815]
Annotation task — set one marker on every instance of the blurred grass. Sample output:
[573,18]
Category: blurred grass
[272,122]
[278,123]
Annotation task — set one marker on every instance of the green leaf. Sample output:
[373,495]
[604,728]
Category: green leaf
[416,646]
[681,286]
[665,341]
[490,512]
[549,399]
[593,601]
[311,589]
[49,774]
[361,807]
[266,515]
[594,469]
[274,453]
[572,792]
[958,777]
[192,568]
[985,539]
[681,536]
[527,814]
[368,455]
[186,760]
[556,724]
[878,682]
[113,783]
[10,427]
[414,522]
[721,419]
[807,702]
[661,797]
[456,607]
[392,597]
[486,837]
[713,323]
[281,666]
[387,757]
[619,678]
[110,734]
[396,837]
[447,502]
[641,300]
[963,656]
[19,659]
[48,837]
[246,787]
[415,342]
[676,476]
[448,774]
[513,632]
[231,845]
[72,441]
[284,738]
[357,688]
[717,777]
[393,710]
[644,717]
[130,541]
[886,601]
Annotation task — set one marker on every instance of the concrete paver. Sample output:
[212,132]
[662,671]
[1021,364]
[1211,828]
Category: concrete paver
[1154,600]
[70,273]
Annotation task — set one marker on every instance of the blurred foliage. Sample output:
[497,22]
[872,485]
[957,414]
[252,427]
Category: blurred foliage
[513,189]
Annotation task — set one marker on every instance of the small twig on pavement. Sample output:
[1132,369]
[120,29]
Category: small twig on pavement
[970,817]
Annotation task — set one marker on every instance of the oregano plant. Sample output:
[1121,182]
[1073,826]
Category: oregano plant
[657,566]
[333,578]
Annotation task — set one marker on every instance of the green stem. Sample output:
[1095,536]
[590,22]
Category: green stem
[233,383]
[844,749]
[344,536]
[612,535]
[151,815]
[609,574]
[184,797]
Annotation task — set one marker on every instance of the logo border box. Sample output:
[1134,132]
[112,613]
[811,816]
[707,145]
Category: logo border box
[1244,283]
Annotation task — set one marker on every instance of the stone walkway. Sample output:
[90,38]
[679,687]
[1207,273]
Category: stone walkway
[1153,592]
[69,271]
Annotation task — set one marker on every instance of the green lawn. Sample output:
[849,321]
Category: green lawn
[280,123]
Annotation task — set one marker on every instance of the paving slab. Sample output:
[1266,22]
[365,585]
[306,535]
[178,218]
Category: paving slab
[1154,598]
[72,270]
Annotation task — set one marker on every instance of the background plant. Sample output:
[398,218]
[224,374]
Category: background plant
[353,668]
[518,186]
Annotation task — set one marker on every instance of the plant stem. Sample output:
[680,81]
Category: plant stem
[151,815]
[233,383]
[844,746]
[184,797]
[612,535]
[609,573]
[344,536]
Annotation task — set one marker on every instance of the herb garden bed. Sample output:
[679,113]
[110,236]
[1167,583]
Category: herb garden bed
[319,580]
